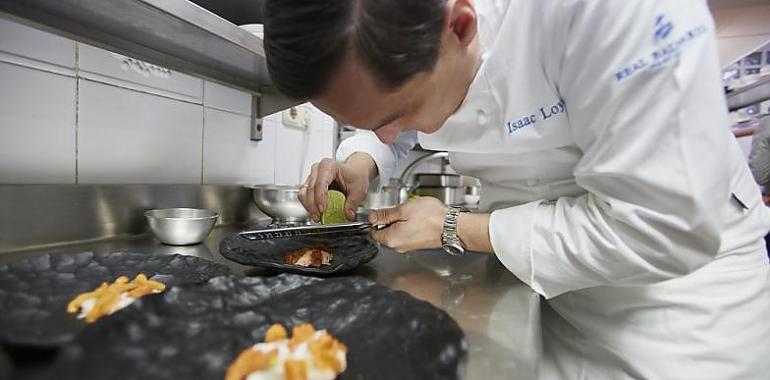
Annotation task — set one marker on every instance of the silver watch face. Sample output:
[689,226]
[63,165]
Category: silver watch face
[454,249]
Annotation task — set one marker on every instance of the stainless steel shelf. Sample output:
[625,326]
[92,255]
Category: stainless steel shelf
[177,34]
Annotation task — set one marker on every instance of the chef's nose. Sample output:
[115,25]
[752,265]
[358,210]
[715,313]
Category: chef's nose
[388,133]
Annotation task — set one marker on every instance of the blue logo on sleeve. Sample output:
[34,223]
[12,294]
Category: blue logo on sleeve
[663,54]
[662,28]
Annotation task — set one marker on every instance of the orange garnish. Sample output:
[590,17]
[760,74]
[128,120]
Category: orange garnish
[275,332]
[324,351]
[300,334]
[106,296]
[249,361]
[323,348]
[295,370]
[75,304]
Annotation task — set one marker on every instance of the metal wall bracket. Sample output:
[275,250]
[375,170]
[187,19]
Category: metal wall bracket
[268,101]
[256,129]
[256,118]
[272,101]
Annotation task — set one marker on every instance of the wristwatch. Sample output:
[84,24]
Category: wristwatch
[450,242]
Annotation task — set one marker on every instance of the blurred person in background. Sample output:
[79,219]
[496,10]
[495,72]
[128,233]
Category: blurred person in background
[759,162]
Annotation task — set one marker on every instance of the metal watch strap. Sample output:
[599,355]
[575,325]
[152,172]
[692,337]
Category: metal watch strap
[451,242]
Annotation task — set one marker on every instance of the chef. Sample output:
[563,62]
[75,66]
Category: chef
[611,183]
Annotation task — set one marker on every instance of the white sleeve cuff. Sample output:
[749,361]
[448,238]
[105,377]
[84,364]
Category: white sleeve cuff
[517,243]
[510,232]
[367,142]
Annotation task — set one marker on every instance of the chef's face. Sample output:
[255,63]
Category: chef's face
[424,102]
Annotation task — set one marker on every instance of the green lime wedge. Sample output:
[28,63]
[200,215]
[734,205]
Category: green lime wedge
[335,208]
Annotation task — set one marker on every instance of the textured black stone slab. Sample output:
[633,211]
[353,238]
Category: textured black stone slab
[348,252]
[195,332]
[6,368]
[34,292]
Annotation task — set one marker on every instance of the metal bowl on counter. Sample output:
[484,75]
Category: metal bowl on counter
[280,202]
[181,226]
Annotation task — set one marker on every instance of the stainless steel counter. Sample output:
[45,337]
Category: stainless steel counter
[499,314]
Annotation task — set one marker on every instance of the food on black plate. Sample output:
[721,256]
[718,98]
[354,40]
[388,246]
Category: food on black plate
[109,298]
[309,354]
[197,331]
[347,252]
[36,291]
[314,256]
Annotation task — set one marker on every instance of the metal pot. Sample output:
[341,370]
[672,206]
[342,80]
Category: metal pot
[388,196]
[447,195]
[280,202]
[438,180]
[448,188]
[181,226]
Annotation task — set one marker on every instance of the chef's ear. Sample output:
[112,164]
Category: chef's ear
[462,20]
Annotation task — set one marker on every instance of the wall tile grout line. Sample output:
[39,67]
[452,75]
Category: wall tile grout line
[140,91]
[77,113]
[40,69]
[203,128]
[227,111]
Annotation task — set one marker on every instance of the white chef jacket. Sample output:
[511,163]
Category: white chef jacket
[599,131]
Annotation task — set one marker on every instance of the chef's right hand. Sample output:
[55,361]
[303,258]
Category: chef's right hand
[350,179]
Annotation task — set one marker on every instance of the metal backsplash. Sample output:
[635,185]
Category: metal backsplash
[35,216]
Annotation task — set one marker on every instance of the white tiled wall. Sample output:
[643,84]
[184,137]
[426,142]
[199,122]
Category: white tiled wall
[22,44]
[226,98]
[228,154]
[73,113]
[296,149]
[159,143]
[37,126]
[103,66]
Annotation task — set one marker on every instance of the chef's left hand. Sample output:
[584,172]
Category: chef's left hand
[414,225]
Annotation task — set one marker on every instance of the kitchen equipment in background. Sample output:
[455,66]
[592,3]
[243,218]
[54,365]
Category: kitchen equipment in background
[403,179]
[181,226]
[448,188]
[388,196]
[452,189]
[281,203]
[438,180]
[472,191]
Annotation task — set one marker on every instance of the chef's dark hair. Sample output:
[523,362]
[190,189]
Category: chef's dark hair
[306,40]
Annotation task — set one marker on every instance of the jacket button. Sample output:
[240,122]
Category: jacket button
[482,117]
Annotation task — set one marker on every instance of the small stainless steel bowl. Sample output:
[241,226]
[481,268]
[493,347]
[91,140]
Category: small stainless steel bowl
[280,203]
[181,226]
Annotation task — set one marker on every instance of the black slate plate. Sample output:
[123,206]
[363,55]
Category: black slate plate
[348,252]
[34,292]
[195,332]
[6,368]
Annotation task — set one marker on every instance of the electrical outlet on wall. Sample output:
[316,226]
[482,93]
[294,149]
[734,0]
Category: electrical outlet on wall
[296,117]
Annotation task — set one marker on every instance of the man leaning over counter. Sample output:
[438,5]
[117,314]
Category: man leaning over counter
[611,182]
